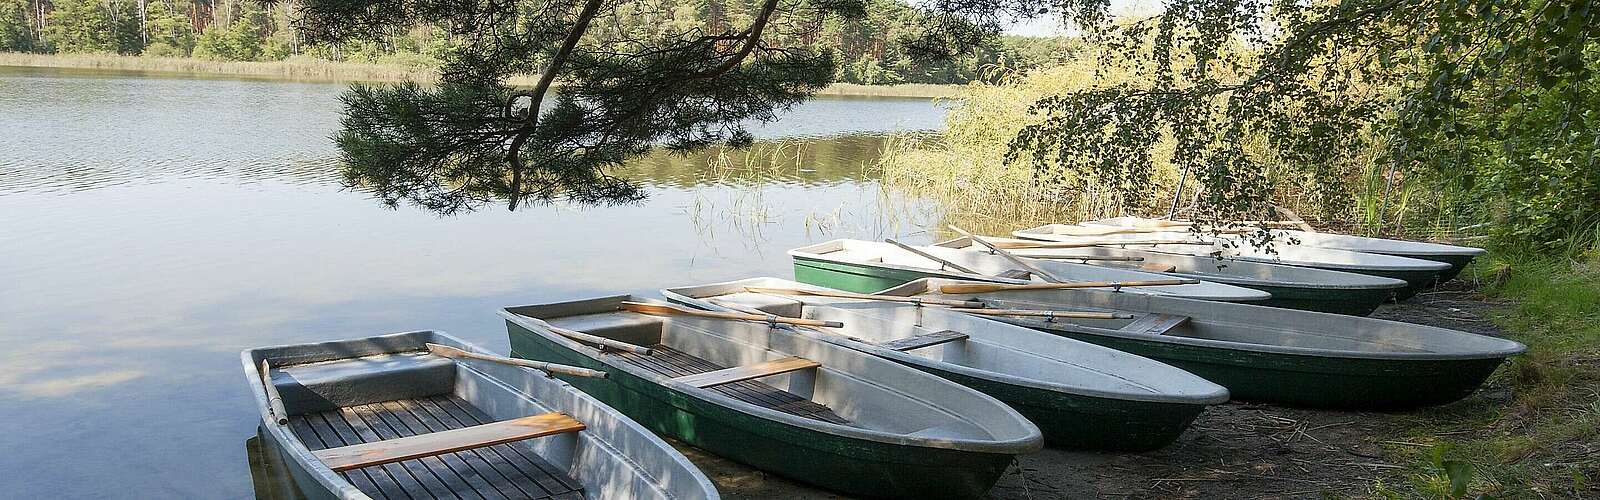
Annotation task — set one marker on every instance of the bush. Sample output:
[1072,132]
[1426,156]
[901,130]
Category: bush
[162,49]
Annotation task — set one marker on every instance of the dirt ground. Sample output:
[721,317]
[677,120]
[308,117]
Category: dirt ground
[1235,450]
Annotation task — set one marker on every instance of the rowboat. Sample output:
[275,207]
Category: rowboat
[779,401]
[1417,273]
[868,266]
[1266,354]
[1457,256]
[1293,287]
[384,417]
[1080,395]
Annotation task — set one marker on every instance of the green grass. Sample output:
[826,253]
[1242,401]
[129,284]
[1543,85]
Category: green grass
[1535,431]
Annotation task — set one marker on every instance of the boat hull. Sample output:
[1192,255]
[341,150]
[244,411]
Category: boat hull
[855,278]
[1309,380]
[1087,422]
[1354,302]
[1416,281]
[1458,262]
[847,465]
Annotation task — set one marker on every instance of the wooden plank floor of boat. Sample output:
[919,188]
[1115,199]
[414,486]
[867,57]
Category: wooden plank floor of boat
[503,471]
[674,363]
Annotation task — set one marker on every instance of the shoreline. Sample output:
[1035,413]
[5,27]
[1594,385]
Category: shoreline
[306,69]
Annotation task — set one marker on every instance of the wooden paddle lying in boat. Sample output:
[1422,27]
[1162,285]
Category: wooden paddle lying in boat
[996,287]
[670,310]
[454,353]
[864,296]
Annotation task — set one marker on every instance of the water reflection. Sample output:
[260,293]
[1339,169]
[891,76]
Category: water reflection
[152,228]
[269,475]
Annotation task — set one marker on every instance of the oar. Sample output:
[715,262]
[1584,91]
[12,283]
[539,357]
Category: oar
[670,310]
[996,287]
[929,256]
[1047,314]
[593,339]
[864,296]
[1014,259]
[454,353]
[274,401]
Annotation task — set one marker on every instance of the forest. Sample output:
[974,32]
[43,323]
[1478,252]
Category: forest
[235,30]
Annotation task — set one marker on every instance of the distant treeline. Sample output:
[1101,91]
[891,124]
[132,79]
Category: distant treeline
[248,30]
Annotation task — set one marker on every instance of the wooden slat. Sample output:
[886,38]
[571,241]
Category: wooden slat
[427,445]
[517,456]
[461,478]
[747,372]
[427,483]
[924,340]
[1155,324]
[549,476]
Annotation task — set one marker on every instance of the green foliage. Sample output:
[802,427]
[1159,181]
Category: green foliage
[94,26]
[1491,100]
[1532,434]
[240,41]
[168,28]
[16,22]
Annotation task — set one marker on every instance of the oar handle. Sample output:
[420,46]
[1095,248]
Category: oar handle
[452,352]
[996,287]
[668,310]
[274,400]
[1047,314]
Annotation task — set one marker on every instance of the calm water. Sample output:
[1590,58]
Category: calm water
[151,228]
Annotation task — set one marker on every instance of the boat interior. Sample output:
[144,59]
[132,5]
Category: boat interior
[408,424]
[391,420]
[933,336]
[1268,328]
[773,368]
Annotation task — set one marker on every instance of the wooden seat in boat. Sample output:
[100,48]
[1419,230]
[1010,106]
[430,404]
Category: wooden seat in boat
[430,444]
[1155,324]
[748,372]
[924,340]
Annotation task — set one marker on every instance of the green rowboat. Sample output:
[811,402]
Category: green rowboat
[1081,395]
[814,412]
[1269,354]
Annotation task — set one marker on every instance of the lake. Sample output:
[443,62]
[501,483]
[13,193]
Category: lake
[152,227]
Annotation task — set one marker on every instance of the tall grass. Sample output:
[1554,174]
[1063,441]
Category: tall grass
[966,168]
[1534,435]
